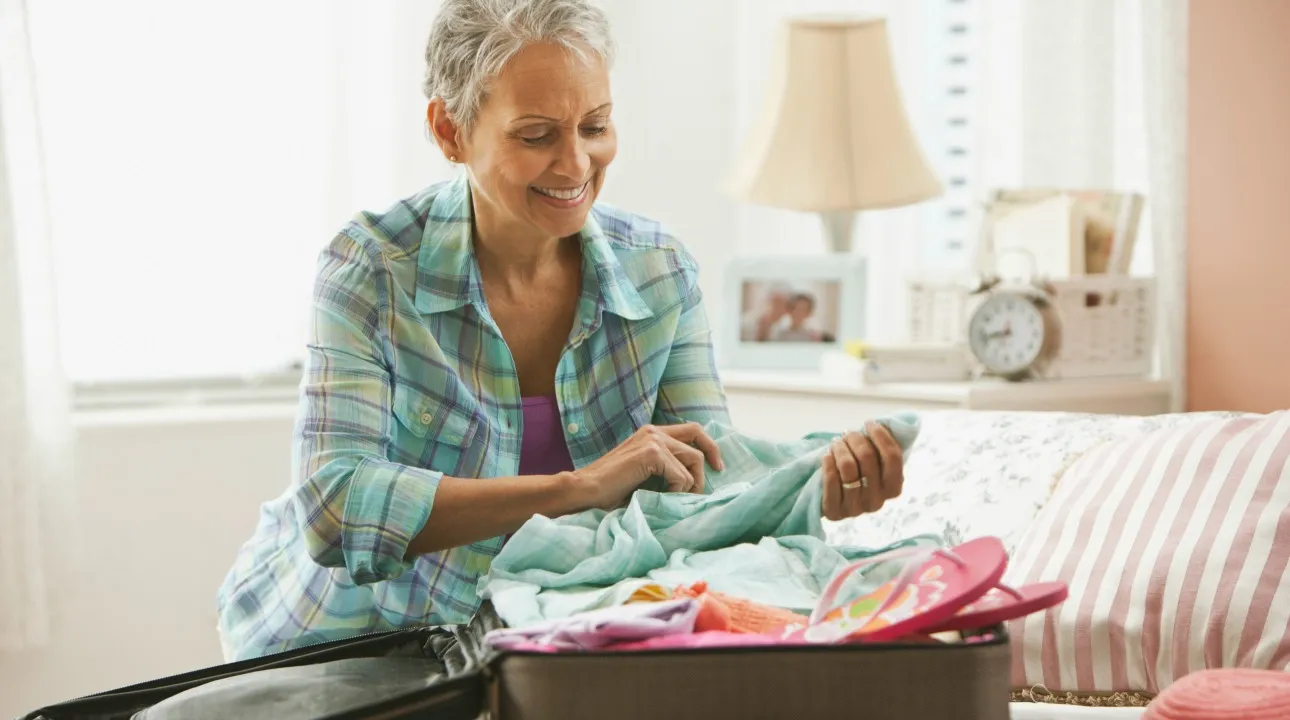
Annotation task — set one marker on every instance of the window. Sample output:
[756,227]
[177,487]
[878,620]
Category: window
[184,145]
[200,155]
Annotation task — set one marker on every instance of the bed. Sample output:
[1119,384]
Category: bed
[1111,505]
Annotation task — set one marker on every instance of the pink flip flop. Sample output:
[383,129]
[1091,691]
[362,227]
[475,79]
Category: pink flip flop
[1002,603]
[934,586]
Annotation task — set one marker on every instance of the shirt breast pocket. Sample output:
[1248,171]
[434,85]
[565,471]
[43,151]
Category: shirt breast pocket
[438,436]
[633,417]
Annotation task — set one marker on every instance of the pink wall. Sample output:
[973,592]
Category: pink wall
[1238,215]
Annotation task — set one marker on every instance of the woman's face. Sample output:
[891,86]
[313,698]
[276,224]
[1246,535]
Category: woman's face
[800,310]
[540,145]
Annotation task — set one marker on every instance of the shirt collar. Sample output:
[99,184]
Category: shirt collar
[615,289]
[448,273]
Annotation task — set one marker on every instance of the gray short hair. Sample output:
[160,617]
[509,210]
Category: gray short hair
[472,39]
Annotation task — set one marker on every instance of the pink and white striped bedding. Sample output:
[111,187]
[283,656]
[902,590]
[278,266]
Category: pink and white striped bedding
[1175,545]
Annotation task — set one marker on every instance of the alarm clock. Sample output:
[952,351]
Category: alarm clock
[1015,331]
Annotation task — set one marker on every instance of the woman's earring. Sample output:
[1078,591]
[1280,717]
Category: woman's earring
[452,158]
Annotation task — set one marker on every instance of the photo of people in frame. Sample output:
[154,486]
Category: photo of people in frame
[776,311]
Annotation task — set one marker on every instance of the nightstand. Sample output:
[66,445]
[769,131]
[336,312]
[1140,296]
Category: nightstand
[788,404]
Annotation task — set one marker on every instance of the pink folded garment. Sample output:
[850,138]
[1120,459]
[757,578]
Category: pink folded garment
[598,628]
[1224,694]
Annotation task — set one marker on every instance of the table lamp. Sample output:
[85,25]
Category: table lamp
[833,136]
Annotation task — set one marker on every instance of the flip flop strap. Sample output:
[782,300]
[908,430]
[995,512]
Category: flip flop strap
[1016,594]
[906,577]
[825,603]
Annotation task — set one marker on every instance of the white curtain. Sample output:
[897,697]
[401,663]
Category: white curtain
[1092,94]
[1164,65]
[36,527]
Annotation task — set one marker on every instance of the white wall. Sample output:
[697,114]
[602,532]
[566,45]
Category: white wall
[674,108]
[167,498]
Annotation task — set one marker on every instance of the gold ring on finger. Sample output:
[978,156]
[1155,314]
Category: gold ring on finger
[862,483]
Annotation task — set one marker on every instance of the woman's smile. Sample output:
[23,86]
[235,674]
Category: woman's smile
[563,198]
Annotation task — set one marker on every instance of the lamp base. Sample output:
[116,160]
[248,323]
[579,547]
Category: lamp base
[838,228]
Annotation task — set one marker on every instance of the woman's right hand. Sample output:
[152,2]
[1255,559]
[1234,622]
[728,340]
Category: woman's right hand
[675,452]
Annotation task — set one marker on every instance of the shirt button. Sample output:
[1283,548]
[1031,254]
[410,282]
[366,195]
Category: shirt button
[573,427]
[426,418]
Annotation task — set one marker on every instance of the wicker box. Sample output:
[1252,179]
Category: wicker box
[1108,322]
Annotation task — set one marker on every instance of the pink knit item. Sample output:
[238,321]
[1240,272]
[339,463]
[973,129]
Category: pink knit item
[1224,694]
[721,612]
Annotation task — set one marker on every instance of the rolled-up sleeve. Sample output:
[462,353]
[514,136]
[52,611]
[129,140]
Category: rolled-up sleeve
[355,508]
[689,389]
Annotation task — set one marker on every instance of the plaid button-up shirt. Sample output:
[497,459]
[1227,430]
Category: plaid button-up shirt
[408,379]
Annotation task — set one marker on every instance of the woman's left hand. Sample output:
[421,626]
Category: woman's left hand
[861,472]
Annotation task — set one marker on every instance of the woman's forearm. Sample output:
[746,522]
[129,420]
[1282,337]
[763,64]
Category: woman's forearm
[468,510]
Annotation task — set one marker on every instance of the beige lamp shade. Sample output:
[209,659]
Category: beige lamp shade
[833,134]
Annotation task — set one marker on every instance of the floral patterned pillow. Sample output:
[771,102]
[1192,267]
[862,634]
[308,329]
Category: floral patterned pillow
[974,473]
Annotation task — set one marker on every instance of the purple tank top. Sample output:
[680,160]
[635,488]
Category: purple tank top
[542,449]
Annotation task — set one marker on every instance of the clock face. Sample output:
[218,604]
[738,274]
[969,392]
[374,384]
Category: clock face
[1006,333]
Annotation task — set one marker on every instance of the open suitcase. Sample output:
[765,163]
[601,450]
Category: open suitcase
[482,669]
[444,673]
[863,658]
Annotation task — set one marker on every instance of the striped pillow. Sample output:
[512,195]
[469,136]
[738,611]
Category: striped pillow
[1175,546]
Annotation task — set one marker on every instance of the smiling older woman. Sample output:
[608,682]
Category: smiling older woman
[494,347]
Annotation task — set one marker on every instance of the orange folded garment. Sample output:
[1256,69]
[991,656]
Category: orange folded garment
[718,611]
[1224,694]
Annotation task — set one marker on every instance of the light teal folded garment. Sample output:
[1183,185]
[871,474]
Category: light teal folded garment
[756,534]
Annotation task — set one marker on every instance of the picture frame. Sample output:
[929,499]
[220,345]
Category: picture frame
[782,312]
